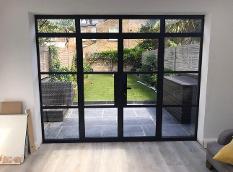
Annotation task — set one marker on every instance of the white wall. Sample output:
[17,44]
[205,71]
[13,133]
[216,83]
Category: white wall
[219,95]
[18,71]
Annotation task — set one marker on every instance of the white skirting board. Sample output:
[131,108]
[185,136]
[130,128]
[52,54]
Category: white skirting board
[12,138]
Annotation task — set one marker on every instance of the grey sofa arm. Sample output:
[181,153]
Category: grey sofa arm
[225,137]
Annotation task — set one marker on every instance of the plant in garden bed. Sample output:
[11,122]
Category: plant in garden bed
[132,56]
[55,66]
[149,79]
[109,57]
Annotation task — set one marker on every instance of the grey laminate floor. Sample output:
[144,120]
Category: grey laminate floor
[115,157]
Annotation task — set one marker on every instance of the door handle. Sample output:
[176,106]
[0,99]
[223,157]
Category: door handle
[129,88]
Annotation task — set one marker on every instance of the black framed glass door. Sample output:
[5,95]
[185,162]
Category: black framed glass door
[140,87]
[119,77]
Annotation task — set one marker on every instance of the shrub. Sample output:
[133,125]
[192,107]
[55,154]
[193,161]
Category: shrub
[87,68]
[55,66]
[149,61]
[132,56]
[149,79]
[109,56]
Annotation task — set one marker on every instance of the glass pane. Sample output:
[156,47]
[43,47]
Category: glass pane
[98,89]
[56,25]
[100,55]
[181,54]
[99,25]
[180,89]
[61,123]
[100,122]
[141,89]
[57,54]
[140,55]
[59,90]
[179,121]
[183,25]
[140,25]
[139,121]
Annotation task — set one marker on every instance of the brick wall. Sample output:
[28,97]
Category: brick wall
[67,47]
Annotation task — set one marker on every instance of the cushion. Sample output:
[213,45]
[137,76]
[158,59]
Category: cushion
[225,154]
[225,137]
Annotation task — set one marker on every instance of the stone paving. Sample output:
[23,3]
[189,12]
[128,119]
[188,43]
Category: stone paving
[102,122]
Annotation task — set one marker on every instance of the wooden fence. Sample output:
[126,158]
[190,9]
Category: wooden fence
[180,58]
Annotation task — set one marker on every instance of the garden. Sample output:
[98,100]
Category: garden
[100,87]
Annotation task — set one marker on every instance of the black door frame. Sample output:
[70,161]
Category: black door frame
[119,99]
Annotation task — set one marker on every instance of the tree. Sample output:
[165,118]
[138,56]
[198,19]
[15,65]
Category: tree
[183,25]
[55,26]
[172,26]
[150,27]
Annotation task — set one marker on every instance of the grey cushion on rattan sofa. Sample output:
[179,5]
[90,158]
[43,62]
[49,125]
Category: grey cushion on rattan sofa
[213,147]
[56,94]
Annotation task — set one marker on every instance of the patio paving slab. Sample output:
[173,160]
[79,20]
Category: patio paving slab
[102,122]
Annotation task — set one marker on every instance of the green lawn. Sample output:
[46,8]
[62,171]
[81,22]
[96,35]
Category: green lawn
[100,87]
[138,92]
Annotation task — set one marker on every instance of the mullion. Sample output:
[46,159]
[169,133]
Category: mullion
[119,16]
[55,17]
[160,80]
[156,72]
[188,105]
[39,81]
[141,35]
[80,79]
[188,34]
[99,17]
[171,72]
[125,139]
[115,35]
[99,35]
[141,105]
[120,76]
[99,72]
[124,35]
[56,35]
[100,106]
[59,107]
[183,17]
[59,73]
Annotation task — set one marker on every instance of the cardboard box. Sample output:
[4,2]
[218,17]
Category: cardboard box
[11,107]
[32,146]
